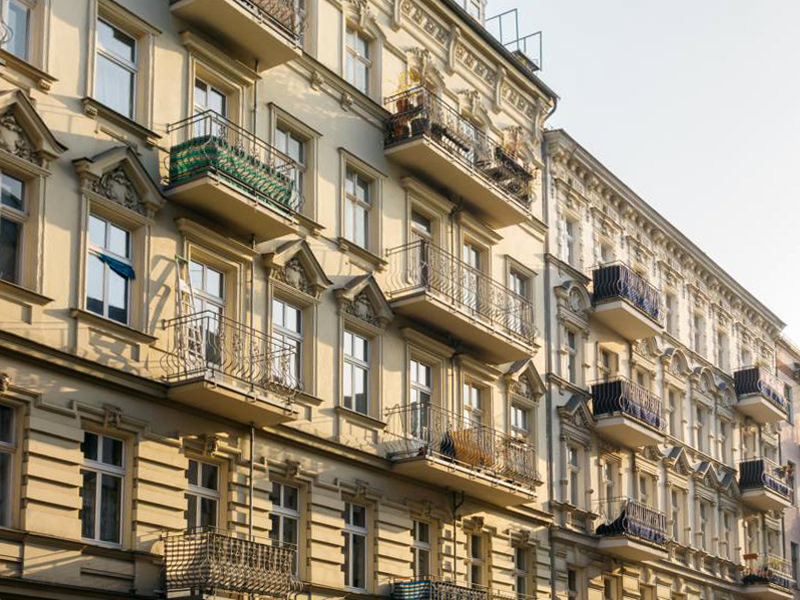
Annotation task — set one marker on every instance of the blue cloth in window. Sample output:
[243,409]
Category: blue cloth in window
[120,268]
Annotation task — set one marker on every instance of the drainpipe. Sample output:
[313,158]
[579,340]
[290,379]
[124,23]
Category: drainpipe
[251,491]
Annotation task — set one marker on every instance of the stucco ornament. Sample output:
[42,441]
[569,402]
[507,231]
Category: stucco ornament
[362,308]
[13,139]
[117,187]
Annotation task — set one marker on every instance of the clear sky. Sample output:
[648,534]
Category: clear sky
[695,104]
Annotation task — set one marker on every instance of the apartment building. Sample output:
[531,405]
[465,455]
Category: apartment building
[270,313]
[666,469]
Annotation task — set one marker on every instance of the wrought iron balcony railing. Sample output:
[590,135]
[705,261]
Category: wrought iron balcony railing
[621,396]
[420,113]
[763,473]
[631,518]
[206,344]
[760,569]
[207,560]
[436,588]
[757,380]
[420,430]
[208,144]
[617,281]
[421,264]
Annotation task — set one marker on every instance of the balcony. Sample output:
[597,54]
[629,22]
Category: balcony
[232,176]
[431,285]
[767,577]
[223,367]
[632,531]
[427,136]
[765,485]
[624,302]
[445,449]
[627,413]
[207,561]
[758,397]
[435,588]
[268,31]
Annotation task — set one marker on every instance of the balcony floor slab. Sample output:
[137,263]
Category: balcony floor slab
[759,408]
[765,499]
[631,549]
[629,322]
[627,431]
[766,591]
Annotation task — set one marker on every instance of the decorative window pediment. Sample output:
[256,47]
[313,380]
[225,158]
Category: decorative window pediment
[574,303]
[575,414]
[23,133]
[363,299]
[678,461]
[295,265]
[524,380]
[118,176]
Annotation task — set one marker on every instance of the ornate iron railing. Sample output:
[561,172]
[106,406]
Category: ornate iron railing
[760,569]
[207,560]
[206,344]
[626,397]
[420,113]
[209,144]
[437,588]
[423,265]
[763,473]
[617,281]
[757,380]
[419,430]
[631,518]
[283,15]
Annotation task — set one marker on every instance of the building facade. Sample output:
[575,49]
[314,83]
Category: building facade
[296,300]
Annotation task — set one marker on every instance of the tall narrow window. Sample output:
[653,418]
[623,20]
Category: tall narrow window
[208,285]
[109,271]
[795,560]
[788,393]
[358,203]
[727,534]
[677,516]
[470,292]
[674,407]
[420,398]
[477,559]
[521,571]
[723,349]
[724,442]
[699,327]
[573,469]
[293,146]
[645,493]
[202,498]
[421,549]
[358,63]
[703,524]
[572,357]
[13,214]
[473,407]
[572,584]
[356,373]
[671,304]
[518,284]
[101,492]
[116,68]
[7,449]
[285,516]
[570,242]
[608,488]
[520,421]
[700,427]
[287,331]
[355,546]
[17,16]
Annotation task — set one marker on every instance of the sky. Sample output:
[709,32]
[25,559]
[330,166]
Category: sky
[695,105]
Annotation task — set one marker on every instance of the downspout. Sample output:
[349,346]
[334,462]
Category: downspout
[252,472]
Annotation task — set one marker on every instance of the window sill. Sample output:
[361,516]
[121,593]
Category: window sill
[43,80]
[118,329]
[21,294]
[96,110]
[363,419]
[362,254]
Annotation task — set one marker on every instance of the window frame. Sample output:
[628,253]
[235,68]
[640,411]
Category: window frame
[349,230]
[133,68]
[8,448]
[354,54]
[287,336]
[198,492]
[20,217]
[355,364]
[104,469]
[94,250]
[30,6]
[284,514]
[349,531]
[419,546]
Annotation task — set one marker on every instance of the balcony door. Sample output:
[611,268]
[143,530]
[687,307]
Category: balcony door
[207,97]
[421,240]
[470,278]
[420,395]
[208,286]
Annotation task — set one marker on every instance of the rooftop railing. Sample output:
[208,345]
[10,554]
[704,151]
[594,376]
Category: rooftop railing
[208,560]
[437,588]
[209,144]
[757,380]
[420,113]
[206,344]
[631,518]
[620,281]
[422,264]
[420,429]
[763,473]
[760,569]
[621,396]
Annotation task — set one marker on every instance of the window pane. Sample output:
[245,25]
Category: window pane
[90,445]
[209,480]
[116,42]
[359,561]
[118,241]
[6,491]
[289,531]
[114,86]
[9,250]
[13,192]
[117,297]
[191,510]
[110,508]
[19,24]
[112,451]
[361,390]
[191,472]
[88,509]
[208,512]
[290,497]
[275,528]
[359,516]
[97,231]
[6,424]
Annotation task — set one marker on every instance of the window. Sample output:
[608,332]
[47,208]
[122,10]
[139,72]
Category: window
[521,571]
[357,60]
[746,358]
[207,97]
[671,304]
[294,147]
[116,69]
[606,253]
[572,584]
[788,393]
[208,286]
[421,549]
[473,8]
[700,428]
[520,421]
[518,284]
[477,560]
[795,560]
[608,488]
[356,373]
[699,327]
[473,407]
[573,470]
[703,524]
[356,208]
[727,535]
[7,449]
[13,214]
[287,331]
[355,546]
[572,356]
[571,242]
[677,515]
[420,397]
[202,499]
[109,271]
[470,293]
[790,470]
[606,364]
[101,492]
[17,17]
[285,516]
[723,349]
[674,408]
[645,489]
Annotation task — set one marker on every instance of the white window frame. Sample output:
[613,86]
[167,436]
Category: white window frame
[418,547]
[353,205]
[354,55]
[93,249]
[287,336]
[196,493]
[8,448]
[473,408]
[572,356]
[522,431]
[284,514]
[351,531]
[281,139]
[131,67]
[103,469]
[20,218]
[29,6]
[355,365]
[477,559]
[573,470]
[521,572]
